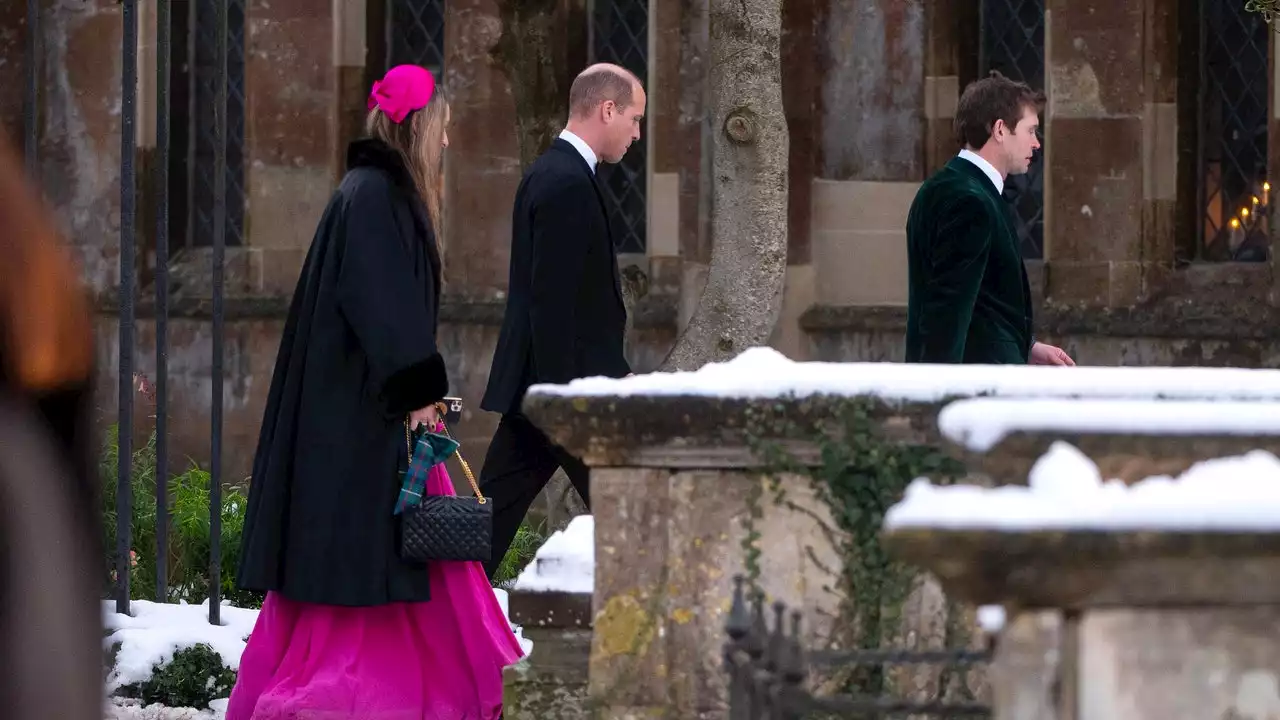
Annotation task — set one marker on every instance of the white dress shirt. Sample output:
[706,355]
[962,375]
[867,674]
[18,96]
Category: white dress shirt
[582,147]
[985,166]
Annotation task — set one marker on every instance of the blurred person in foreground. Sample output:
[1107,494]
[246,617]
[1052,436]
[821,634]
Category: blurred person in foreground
[968,297]
[50,612]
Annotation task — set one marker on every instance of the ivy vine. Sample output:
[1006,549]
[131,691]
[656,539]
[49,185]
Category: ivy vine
[859,475]
[1269,9]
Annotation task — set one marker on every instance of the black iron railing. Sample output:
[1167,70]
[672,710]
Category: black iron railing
[769,670]
[128,287]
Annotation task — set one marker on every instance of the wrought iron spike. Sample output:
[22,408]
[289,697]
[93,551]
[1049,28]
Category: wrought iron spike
[793,669]
[739,621]
[776,657]
[759,630]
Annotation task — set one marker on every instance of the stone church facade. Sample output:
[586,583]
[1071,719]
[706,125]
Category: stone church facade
[1145,220]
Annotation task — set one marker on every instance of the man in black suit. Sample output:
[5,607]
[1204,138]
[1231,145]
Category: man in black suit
[564,316]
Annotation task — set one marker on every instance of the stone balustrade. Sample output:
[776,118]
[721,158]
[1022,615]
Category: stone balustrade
[684,497]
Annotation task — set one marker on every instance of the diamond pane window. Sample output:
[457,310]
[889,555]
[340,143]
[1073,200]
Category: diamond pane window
[415,34]
[1234,82]
[203,99]
[620,35]
[1013,43]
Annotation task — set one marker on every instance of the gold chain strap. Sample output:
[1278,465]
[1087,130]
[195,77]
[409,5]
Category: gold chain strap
[466,467]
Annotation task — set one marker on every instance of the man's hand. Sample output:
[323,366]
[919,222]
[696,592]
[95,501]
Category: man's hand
[428,416]
[1042,354]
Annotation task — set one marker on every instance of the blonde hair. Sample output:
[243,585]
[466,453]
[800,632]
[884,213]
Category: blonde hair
[419,141]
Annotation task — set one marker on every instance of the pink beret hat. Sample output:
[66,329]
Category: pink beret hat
[402,90]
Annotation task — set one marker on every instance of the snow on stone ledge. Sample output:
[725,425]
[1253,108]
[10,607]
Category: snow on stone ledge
[981,423]
[1066,492]
[566,562]
[764,372]
[157,630]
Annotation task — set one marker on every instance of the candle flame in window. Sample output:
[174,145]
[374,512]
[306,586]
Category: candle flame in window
[1235,223]
[1244,212]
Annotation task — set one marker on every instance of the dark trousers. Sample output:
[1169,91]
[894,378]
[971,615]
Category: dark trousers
[520,461]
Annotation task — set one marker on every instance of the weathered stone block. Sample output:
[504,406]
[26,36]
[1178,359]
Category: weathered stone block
[668,544]
[552,681]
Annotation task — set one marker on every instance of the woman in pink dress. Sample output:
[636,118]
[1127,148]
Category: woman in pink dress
[349,629]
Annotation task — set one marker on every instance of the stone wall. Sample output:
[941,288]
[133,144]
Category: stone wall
[868,118]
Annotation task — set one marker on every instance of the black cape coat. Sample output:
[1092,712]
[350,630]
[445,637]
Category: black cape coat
[357,354]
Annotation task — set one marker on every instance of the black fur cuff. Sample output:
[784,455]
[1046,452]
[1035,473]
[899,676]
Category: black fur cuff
[417,386]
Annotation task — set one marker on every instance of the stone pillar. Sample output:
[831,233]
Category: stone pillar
[483,166]
[350,74]
[951,52]
[1111,153]
[1132,625]
[80,131]
[290,113]
[694,156]
[663,91]
[870,153]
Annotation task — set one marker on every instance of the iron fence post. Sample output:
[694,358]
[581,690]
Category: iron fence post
[219,252]
[164,29]
[737,626]
[128,213]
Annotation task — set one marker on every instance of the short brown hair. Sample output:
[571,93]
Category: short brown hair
[992,98]
[596,85]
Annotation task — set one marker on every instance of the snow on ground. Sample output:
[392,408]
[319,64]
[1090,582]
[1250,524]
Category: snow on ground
[566,562]
[130,709]
[981,423]
[764,372]
[156,631]
[1066,491]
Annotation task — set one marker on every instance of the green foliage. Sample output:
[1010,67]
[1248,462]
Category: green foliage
[1270,9]
[192,678]
[189,529]
[860,476]
[188,557]
[526,543]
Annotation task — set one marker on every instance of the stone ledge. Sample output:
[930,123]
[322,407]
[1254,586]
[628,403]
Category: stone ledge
[696,431]
[550,610]
[653,312]
[1076,569]
[1179,319]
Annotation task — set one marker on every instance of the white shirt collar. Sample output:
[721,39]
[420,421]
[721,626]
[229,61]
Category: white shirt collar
[582,147]
[985,166]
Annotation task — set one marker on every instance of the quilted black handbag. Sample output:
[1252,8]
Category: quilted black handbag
[443,527]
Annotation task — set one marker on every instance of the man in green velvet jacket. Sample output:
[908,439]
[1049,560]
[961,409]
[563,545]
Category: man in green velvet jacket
[968,299]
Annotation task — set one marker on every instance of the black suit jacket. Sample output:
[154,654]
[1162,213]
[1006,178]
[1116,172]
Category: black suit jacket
[564,317]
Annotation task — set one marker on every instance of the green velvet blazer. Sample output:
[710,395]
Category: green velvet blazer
[968,299]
